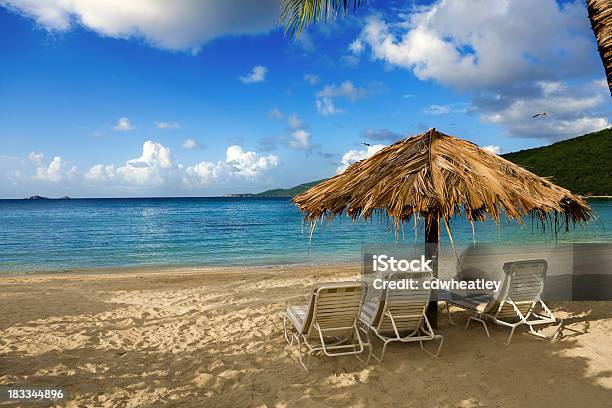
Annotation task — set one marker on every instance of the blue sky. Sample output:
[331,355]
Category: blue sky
[195,98]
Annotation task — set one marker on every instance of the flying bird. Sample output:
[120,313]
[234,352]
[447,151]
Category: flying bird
[541,114]
[365,144]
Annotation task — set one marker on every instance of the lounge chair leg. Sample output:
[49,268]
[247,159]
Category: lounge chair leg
[306,366]
[553,337]
[535,333]
[437,337]
[367,360]
[484,324]
[441,343]
[486,328]
[450,320]
[290,342]
[369,344]
[558,331]
[511,333]
[382,354]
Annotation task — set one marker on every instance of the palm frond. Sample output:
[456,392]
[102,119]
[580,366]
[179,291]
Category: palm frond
[298,14]
[600,14]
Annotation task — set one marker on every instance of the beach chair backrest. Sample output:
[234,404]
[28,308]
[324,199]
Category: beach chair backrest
[335,308]
[524,286]
[403,307]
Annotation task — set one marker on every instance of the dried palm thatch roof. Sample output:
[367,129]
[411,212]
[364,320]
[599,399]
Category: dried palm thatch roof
[435,176]
[600,14]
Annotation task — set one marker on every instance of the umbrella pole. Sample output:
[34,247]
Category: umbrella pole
[432,232]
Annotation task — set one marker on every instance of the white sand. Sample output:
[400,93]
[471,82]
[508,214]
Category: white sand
[214,338]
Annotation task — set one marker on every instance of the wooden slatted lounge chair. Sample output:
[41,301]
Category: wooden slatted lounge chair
[328,324]
[399,314]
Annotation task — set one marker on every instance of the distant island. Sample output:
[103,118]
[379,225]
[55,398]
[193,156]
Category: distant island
[289,192]
[37,197]
[583,165]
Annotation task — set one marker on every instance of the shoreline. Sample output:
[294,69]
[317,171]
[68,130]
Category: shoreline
[173,269]
[203,267]
[210,267]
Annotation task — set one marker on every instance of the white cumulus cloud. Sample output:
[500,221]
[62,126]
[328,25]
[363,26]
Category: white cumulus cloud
[201,174]
[249,164]
[238,163]
[157,167]
[56,170]
[123,125]
[174,25]
[353,156]
[493,149]
[449,43]
[356,47]
[325,98]
[153,167]
[296,136]
[257,74]
[190,144]
[326,107]
[438,109]
[300,140]
[346,90]
[36,157]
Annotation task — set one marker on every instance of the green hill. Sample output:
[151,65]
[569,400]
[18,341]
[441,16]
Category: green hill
[289,192]
[582,165]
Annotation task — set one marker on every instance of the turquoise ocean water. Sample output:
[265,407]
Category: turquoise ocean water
[57,235]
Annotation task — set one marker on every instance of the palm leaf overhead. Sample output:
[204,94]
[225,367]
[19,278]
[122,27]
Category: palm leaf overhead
[434,176]
[298,14]
[600,14]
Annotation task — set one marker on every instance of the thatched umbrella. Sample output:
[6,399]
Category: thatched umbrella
[433,177]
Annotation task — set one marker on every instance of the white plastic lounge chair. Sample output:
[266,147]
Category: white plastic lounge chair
[515,303]
[329,322]
[399,314]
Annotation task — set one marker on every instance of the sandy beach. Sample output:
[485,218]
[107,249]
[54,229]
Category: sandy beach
[213,337]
